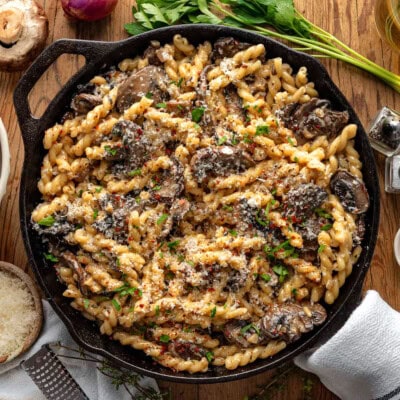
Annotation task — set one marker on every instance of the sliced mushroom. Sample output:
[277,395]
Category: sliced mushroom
[179,209]
[237,279]
[313,119]
[84,102]
[172,183]
[23,33]
[219,161]
[288,321]
[72,262]
[351,192]
[151,81]
[234,102]
[60,227]
[228,47]
[301,201]
[186,350]
[359,233]
[151,53]
[234,332]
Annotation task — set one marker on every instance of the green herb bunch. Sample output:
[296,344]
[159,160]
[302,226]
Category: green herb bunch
[258,15]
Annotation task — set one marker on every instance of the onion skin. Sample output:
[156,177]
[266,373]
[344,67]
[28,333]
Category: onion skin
[88,10]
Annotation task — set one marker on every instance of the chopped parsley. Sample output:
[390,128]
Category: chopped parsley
[262,130]
[161,105]
[265,277]
[248,327]
[294,292]
[290,140]
[296,159]
[116,305]
[110,150]
[50,257]
[95,213]
[281,271]
[234,139]
[247,138]
[156,188]
[326,227]
[233,232]
[164,338]
[99,189]
[213,312]
[322,213]
[197,114]
[162,219]
[149,95]
[177,83]
[80,193]
[157,310]
[135,172]
[86,303]
[117,262]
[47,221]
[227,208]
[321,248]
[222,140]
[173,245]
[210,356]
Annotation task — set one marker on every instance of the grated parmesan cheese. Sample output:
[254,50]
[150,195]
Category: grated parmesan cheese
[17,313]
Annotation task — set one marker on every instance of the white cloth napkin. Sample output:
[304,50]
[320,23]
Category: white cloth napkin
[362,361]
[15,384]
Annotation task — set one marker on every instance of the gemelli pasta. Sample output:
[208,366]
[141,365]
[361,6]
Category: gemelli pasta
[201,203]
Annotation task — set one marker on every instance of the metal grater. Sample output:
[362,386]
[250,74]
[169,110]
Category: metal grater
[51,377]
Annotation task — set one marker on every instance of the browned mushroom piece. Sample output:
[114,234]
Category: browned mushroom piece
[150,81]
[235,332]
[219,161]
[82,103]
[179,209]
[72,262]
[351,192]
[186,350]
[359,233]
[301,201]
[289,321]
[151,53]
[23,33]
[313,119]
[172,183]
[234,102]
[60,227]
[228,47]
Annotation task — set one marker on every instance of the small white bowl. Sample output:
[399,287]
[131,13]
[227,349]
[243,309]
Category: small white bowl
[4,160]
[396,246]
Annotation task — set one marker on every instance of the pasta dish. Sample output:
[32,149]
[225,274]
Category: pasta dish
[201,203]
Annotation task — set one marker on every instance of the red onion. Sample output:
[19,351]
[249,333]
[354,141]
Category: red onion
[88,10]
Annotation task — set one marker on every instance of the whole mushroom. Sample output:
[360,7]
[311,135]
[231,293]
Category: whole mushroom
[23,33]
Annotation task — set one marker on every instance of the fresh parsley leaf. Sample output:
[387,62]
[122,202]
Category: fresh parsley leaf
[222,140]
[135,172]
[86,303]
[326,227]
[47,221]
[161,105]
[162,219]
[116,305]
[290,140]
[99,189]
[50,257]
[164,338]
[248,327]
[134,28]
[281,271]
[265,277]
[173,245]
[233,232]
[210,356]
[197,114]
[213,312]
[149,95]
[157,310]
[110,150]
[321,248]
[262,130]
[322,213]
[95,213]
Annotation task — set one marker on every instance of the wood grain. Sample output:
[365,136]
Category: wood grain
[350,21]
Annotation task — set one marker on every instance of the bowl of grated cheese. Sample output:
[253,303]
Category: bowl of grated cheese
[21,312]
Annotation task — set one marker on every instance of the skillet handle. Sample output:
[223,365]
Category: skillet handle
[91,50]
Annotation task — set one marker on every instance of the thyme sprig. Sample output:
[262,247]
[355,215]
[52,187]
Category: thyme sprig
[120,377]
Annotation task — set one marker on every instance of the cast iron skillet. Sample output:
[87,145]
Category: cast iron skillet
[103,55]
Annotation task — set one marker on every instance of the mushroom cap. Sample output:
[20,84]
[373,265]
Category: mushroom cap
[28,26]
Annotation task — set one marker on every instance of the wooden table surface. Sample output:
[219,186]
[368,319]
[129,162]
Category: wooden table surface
[351,21]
